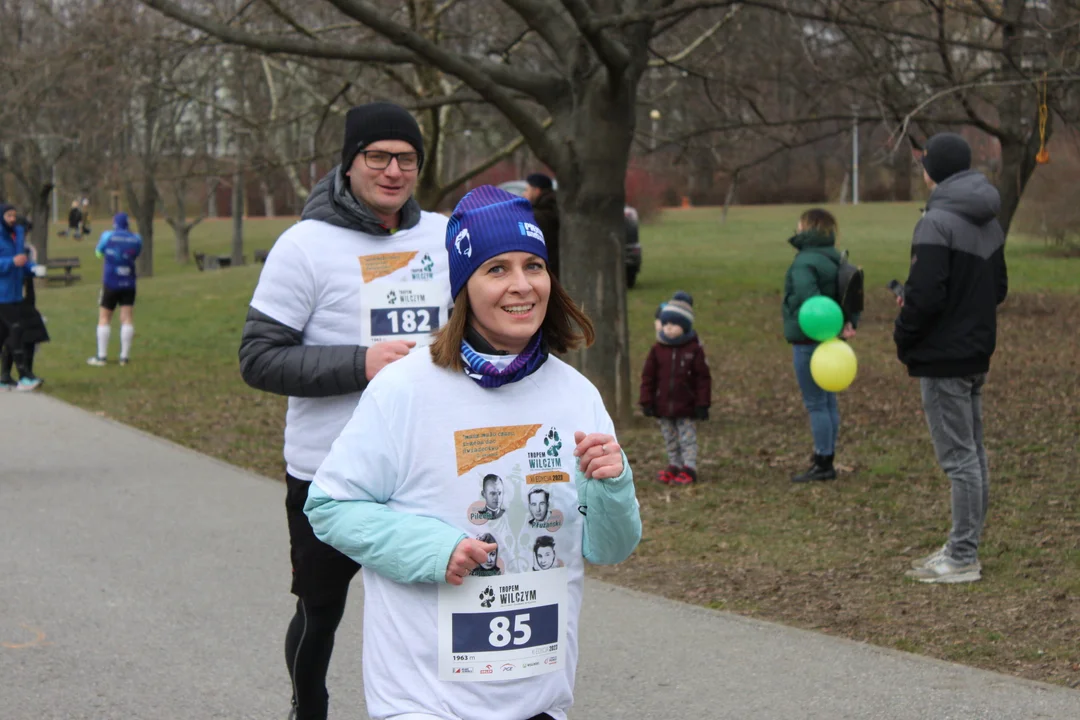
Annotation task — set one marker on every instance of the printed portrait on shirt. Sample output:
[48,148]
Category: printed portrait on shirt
[544,556]
[493,565]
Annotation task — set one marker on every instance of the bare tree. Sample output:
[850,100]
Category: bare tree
[575,62]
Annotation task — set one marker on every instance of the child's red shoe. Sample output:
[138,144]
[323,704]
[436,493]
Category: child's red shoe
[685,476]
[667,475]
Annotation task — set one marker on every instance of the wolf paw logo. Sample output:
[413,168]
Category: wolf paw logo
[553,442]
[391,297]
[487,597]
[427,263]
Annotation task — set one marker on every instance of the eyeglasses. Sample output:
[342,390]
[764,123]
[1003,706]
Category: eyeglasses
[380,159]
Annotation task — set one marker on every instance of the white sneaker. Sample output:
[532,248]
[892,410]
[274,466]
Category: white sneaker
[28,384]
[927,559]
[946,570]
[96,361]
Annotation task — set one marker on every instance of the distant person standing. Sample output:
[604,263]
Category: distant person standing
[946,333]
[85,216]
[14,264]
[119,248]
[33,331]
[540,192]
[75,217]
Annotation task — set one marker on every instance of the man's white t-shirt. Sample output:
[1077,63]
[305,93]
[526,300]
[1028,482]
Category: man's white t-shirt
[422,441]
[345,287]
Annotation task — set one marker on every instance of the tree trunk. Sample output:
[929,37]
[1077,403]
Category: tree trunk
[238,219]
[39,235]
[901,167]
[592,242]
[211,197]
[268,199]
[730,197]
[144,219]
[1018,164]
[179,224]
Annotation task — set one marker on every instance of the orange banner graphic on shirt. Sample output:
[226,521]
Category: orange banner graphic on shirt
[374,267]
[484,445]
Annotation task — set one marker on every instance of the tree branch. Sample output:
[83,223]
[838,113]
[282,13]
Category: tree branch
[611,52]
[695,44]
[834,18]
[545,21]
[502,153]
[466,68]
[542,86]
[277,10]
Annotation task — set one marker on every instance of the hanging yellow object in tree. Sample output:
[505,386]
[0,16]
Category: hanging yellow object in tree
[1043,156]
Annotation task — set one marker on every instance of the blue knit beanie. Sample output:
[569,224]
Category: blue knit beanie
[678,313]
[120,220]
[489,222]
[684,296]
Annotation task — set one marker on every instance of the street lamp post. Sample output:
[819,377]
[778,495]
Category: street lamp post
[655,115]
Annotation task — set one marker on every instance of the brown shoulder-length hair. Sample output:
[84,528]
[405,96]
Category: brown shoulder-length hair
[566,327]
[820,220]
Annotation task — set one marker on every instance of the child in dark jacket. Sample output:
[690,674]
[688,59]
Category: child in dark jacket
[676,388]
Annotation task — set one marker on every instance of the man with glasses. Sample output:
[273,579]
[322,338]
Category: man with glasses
[355,285]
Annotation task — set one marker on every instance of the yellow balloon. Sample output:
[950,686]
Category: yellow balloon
[833,365]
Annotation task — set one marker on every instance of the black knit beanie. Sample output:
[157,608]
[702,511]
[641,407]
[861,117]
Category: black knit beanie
[946,154]
[376,121]
[540,181]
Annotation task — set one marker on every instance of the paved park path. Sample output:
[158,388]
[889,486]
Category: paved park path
[140,580]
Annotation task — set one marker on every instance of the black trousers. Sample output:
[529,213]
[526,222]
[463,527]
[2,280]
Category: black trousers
[321,577]
[11,333]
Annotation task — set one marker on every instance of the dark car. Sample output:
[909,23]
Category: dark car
[633,243]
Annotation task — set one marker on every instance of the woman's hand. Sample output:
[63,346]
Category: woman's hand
[467,556]
[601,457]
[848,332]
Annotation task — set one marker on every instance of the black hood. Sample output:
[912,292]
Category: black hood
[968,194]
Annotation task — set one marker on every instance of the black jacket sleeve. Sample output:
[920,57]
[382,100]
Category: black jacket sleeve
[273,358]
[1002,273]
[927,286]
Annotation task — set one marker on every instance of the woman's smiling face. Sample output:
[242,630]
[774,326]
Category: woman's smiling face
[508,299]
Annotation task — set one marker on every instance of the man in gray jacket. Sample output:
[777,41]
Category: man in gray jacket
[358,282]
[946,334]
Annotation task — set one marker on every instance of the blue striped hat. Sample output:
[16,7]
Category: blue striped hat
[489,222]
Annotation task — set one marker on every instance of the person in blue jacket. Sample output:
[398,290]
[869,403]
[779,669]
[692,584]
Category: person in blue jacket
[445,638]
[119,248]
[14,264]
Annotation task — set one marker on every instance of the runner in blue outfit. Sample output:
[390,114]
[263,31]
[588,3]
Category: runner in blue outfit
[119,248]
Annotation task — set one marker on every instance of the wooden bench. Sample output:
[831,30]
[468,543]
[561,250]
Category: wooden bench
[212,262]
[67,264]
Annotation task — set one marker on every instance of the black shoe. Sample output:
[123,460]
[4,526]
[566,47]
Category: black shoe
[821,469]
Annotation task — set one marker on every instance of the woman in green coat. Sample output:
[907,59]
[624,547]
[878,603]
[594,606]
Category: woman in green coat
[814,272]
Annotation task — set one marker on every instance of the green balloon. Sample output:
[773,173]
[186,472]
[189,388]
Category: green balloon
[821,318]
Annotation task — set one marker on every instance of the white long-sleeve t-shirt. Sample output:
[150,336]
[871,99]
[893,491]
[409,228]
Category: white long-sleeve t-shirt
[430,457]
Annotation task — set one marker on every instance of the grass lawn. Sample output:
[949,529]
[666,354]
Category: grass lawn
[829,556]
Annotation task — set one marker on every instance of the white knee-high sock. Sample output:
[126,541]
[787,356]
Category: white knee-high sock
[127,334]
[103,332]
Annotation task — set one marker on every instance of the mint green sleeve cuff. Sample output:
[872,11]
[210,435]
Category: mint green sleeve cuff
[402,547]
[612,517]
[98,254]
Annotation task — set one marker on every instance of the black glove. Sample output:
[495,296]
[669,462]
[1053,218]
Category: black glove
[649,410]
[701,413]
